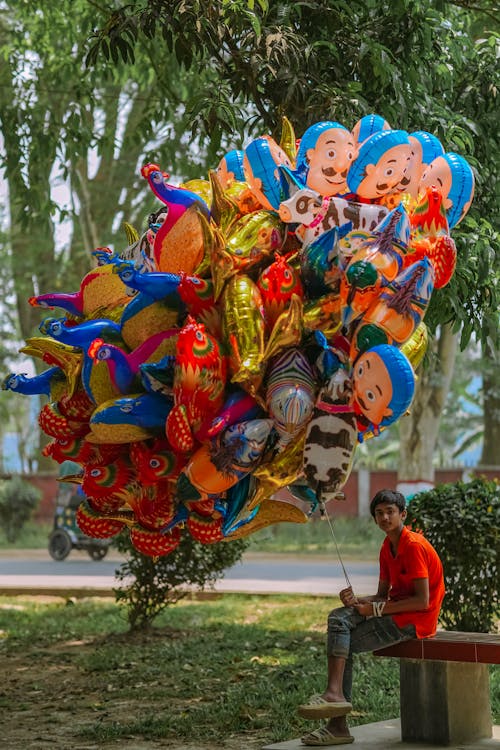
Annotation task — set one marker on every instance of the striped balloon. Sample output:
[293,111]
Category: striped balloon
[290,394]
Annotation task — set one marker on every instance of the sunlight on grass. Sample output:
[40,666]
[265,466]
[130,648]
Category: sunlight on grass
[235,667]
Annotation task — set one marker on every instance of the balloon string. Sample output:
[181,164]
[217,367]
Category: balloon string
[324,514]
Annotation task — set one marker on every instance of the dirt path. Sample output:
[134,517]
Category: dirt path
[46,701]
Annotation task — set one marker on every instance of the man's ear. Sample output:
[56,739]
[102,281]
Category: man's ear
[369,169]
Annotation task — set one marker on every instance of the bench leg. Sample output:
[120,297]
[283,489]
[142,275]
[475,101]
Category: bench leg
[444,702]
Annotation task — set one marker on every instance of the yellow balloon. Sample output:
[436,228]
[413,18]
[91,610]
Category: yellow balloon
[416,346]
[243,327]
[287,330]
[201,188]
[282,470]
[269,512]
[288,140]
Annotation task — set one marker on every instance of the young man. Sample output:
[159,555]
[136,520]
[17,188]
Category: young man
[406,605]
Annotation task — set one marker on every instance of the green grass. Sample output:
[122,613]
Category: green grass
[358,538]
[233,668]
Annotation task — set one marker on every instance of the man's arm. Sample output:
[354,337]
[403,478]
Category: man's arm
[349,599]
[416,603]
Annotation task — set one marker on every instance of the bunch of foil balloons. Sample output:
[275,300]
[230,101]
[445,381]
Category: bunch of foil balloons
[266,320]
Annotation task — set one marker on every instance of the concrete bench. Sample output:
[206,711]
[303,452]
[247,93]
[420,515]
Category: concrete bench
[444,686]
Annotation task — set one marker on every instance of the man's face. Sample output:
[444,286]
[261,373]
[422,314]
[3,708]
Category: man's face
[388,517]
[372,387]
[382,177]
[438,173]
[329,161]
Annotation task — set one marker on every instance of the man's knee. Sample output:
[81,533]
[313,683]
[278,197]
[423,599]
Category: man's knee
[339,618]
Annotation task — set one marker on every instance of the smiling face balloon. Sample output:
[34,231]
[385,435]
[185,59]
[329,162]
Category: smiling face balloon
[324,157]
[453,177]
[381,163]
[383,384]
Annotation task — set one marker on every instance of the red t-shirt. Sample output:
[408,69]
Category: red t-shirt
[415,558]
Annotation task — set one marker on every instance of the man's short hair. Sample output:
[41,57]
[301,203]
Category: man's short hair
[388,496]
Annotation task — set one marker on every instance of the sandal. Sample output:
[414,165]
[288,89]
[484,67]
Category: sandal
[323,737]
[319,708]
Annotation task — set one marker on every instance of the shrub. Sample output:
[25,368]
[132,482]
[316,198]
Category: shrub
[150,585]
[462,521]
[18,500]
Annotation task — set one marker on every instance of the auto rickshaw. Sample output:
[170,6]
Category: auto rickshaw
[66,535]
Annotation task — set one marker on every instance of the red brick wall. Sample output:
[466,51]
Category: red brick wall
[379,480]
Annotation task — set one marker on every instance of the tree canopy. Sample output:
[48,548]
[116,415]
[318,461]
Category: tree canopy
[88,90]
[426,64]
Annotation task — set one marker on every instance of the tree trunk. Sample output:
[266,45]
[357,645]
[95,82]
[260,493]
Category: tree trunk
[419,431]
[490,455]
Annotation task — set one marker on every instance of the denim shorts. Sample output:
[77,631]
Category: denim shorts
[352,633]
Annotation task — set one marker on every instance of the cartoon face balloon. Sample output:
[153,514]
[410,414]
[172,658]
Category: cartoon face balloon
[262,157]
[367,126]
[453,177]
[383,384]
[324,157]
[381,163]
[230,168]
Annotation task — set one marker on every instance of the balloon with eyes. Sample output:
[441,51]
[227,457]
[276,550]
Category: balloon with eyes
[316,215]
[106,485]
[430,237]
[199,382]
[216,467]
[81,451]
[176,292]
[277,284]
[179,244]
[129,418]
[96,380]
[52,383]
[383,384]
[325,154]
[100,291]
[155,462]
[124,367]
[378,391]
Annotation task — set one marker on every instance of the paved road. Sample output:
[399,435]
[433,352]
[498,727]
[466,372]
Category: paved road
[256,573]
